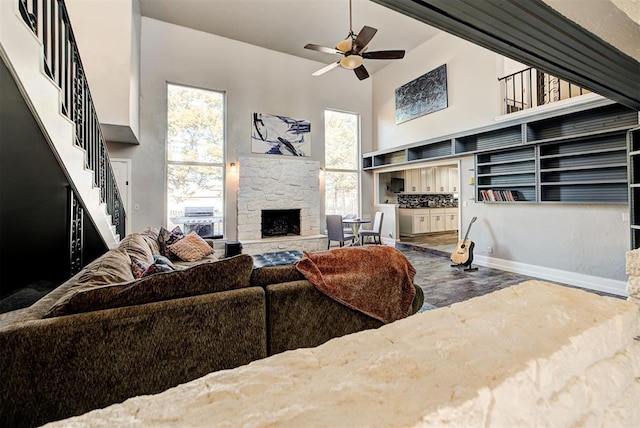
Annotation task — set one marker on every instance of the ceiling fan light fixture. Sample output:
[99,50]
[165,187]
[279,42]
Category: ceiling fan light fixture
[351,62]
[345,45]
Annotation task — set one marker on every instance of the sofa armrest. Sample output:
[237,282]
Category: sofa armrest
[418,300]
[65,366]
[300,316]
[267,275]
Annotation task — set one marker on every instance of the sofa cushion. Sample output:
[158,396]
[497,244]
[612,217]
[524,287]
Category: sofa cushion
[137,247]
[113,267]
[150,234]
[190,248]
[227,274]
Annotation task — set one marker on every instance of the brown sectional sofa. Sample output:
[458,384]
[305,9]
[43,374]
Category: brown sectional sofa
[87,345]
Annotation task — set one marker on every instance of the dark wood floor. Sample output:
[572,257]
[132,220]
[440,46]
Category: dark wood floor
[444,285]
[442,241]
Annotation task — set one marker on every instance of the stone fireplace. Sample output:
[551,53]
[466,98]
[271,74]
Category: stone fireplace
[279,183]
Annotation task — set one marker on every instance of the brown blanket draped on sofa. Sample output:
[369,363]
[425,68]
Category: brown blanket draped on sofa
[374,279]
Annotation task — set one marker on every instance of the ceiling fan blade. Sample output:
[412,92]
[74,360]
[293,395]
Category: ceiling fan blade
[383,54]
[364,37]
[326,68]
[361,72]
[322,49]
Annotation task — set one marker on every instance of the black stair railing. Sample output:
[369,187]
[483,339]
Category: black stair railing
[49,21]
[530,88]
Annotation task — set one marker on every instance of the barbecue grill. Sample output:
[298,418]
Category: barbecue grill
[202,220]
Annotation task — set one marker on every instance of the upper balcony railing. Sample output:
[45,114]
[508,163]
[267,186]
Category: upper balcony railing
[49,21]
[531,88]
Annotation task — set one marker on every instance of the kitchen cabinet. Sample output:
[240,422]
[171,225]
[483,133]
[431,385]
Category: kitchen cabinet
[451,219]
[412,182]
[420,224]
[414,221]
[437,220]
[434,179]
[453,182]
[442,180]
[428,179]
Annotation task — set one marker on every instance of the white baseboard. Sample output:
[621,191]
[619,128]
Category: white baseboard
[565,277]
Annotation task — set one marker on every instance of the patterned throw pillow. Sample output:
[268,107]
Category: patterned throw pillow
[162,260]
[141,269]
[166,238]
[190,248]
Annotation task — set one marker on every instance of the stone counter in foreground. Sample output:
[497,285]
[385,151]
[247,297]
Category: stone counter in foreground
[535,354]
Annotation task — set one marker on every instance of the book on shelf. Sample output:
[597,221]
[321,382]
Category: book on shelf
[491,195]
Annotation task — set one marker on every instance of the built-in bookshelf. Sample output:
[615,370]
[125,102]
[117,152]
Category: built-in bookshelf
[506,176]
[489,140]
[633,145]
[576,157]
[585,170]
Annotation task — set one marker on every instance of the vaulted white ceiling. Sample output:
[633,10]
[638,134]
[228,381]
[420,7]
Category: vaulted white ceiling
[287,25]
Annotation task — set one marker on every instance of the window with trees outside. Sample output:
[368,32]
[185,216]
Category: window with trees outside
[195,160]
[342,172]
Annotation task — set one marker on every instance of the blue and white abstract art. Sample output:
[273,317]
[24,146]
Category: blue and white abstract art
[424,95]
[280,135]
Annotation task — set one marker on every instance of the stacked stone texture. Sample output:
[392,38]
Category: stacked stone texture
[533,354]
[633,270]
[277,182]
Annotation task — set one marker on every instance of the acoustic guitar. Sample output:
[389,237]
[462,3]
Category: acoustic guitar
[463,254]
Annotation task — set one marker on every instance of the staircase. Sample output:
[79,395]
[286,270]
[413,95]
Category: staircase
[38,48]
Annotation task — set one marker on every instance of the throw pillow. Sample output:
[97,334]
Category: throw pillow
[162,260]
[223,275]
[141,269]
[190,248]
[166,238]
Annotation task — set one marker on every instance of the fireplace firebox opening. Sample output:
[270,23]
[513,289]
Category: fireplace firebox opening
[280,222]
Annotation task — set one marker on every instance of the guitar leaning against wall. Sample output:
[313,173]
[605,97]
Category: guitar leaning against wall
[463,254]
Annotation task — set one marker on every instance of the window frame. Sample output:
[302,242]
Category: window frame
[358,170]
[222,164]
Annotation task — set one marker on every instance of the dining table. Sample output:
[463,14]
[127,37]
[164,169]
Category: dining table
[355,224]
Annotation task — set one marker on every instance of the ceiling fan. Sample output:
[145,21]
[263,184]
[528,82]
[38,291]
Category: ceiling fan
[353,50]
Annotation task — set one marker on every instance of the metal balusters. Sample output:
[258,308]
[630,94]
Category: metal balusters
[49,21]
[548,89]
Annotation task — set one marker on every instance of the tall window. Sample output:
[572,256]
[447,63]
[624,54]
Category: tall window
[195,160]
[342,150]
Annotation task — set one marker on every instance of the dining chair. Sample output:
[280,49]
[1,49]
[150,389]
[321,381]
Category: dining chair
[335,231]
[375,231]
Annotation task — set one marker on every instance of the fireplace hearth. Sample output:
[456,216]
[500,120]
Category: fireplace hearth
[280,223]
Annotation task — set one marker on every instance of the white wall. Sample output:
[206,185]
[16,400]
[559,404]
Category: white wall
[107,33]
[587,243]
[254,80]
[578,243]
[470,103]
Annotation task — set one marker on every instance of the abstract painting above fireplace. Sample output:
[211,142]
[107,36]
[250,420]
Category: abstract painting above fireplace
[280,135]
